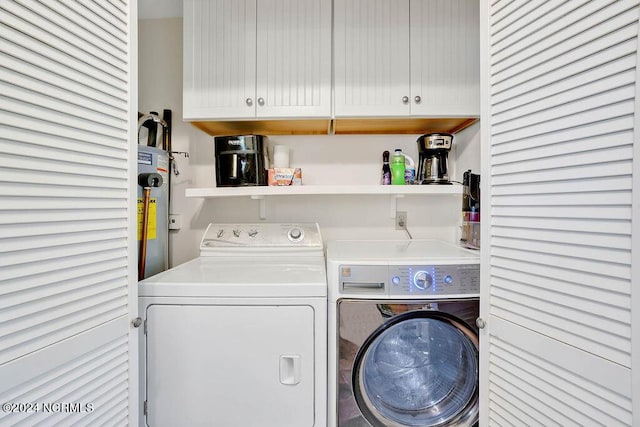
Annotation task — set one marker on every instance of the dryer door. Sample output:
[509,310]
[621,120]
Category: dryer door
[418,369]
[230,365]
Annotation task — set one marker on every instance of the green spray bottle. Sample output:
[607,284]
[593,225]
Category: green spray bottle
[397,167]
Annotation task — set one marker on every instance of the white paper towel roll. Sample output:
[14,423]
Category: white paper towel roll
[280,156]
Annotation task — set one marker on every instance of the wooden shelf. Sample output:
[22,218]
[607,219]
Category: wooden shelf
[337,190]
[337,126]
[401,125]
[265,127]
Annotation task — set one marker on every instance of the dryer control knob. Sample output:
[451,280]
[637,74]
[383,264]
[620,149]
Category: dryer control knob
[422,280]
[295,234]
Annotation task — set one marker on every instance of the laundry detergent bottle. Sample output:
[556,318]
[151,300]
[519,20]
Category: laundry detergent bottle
[409,170]
[397,167]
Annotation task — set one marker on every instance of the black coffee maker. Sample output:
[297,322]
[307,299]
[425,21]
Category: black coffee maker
[432,165]
[241,160]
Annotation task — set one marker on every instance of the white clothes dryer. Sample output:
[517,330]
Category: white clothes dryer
[403,345]
[237,336]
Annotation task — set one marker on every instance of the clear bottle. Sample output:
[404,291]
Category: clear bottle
[386,170]
[397,167]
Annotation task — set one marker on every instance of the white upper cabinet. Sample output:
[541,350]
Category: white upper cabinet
[219,58]
[371,58]
[406,58]
[294,58]
[445,57]
[257,58]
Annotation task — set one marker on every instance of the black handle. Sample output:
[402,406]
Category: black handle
[166,132]
[150,180]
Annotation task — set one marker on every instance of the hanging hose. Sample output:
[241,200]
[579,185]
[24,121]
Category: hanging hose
[146,181]
[142,258]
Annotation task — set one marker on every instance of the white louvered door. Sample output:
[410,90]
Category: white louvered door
[67,233]
[559,128]
[293,73]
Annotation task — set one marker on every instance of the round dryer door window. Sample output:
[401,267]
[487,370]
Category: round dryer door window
[418,369]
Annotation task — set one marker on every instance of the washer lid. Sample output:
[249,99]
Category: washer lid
[399,252]
[240,277]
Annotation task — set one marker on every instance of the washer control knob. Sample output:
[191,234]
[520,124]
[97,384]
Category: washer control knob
[447,279]
[395,280]
[295,234]
[422,280]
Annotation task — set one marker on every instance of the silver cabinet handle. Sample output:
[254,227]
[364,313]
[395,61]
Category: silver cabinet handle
[405,99]
[417,99]
[249,102]
[260,101]
[480,323]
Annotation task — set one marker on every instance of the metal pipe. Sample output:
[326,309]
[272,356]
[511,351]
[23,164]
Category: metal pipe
[155,118]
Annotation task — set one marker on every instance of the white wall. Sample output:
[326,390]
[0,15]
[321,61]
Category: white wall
[334,159]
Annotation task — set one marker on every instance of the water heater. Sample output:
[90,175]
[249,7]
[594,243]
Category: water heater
[152,160]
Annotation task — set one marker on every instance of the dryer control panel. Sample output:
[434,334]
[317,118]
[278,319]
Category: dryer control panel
[261,236]
[410,280]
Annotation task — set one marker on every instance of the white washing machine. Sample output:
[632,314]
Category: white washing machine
[237,336]
[403,345]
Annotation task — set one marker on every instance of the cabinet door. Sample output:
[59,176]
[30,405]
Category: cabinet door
[559,270]
[67,193]
[219,59]
[371,57]
[445,58]
[294,58]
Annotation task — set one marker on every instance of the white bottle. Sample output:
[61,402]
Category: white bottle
[409,170]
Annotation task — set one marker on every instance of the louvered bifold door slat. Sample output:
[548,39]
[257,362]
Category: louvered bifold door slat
[558,129]
[65,108]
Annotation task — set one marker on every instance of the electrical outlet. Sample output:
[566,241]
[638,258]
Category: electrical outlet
[175,221]
[401,220]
